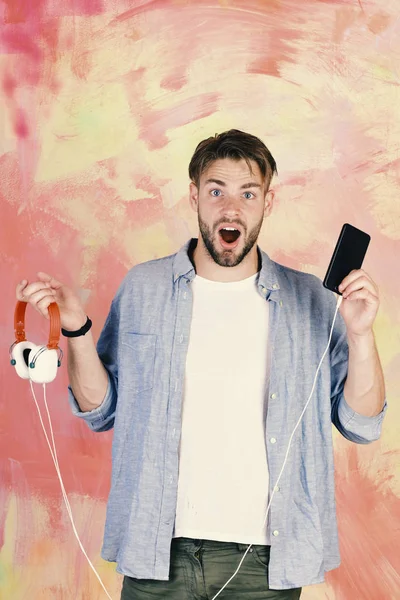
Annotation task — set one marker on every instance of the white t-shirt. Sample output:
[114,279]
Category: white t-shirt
[223,469]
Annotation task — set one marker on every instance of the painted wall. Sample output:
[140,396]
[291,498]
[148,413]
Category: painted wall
[101,105]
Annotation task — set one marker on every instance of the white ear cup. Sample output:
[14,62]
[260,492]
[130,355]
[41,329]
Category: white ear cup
[43,364]
[20,354]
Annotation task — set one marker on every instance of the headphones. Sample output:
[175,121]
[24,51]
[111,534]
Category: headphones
[37,363]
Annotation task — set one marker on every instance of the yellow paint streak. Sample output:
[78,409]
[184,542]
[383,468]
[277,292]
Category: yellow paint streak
[140,245]
[89,123]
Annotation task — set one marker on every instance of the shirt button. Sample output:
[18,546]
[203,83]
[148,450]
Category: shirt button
[275,286]
[280,303]
[184,296]
[181,339]
[273,440]
[275,533]
[277,488]
[273,396]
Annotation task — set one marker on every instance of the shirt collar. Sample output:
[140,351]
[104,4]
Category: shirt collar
[268,281]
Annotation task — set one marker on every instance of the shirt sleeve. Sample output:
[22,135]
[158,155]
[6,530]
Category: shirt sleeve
[102,418]
[355,427]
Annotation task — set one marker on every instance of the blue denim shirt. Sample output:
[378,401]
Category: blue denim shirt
[143,346]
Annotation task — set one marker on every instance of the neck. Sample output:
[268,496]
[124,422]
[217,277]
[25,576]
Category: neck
[206,267]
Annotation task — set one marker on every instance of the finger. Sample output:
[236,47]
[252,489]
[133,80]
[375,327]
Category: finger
[358,284]
[348,279]
[31,289]
[363,294]
[35,298]
[20,288]
[48,279]
[43,305]
[352,276]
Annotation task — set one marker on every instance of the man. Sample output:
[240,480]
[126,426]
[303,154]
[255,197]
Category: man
[204,365]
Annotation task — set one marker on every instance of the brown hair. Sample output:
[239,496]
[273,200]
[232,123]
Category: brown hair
[233,144]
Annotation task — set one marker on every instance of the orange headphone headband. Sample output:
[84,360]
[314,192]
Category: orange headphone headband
[55,324]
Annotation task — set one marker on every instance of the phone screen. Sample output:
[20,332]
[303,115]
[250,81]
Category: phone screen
[348,255]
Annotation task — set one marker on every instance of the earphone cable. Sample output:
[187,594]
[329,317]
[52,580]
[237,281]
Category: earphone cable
[53,453]
[339,301]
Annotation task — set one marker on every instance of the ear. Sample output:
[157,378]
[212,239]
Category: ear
[268,202]
[194,196]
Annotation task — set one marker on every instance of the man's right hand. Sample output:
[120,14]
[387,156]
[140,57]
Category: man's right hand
[40,294]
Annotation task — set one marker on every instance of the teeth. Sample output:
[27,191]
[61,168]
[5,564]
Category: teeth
[230,229]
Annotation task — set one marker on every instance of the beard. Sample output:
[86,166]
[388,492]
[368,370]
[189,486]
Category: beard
[228,258]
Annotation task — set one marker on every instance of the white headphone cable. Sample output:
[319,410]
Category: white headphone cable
[53,453]
[339,301]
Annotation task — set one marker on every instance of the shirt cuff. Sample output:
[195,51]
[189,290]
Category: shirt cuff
[98,417]
[368,427]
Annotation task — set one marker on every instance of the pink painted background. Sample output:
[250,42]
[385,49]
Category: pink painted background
[102,103]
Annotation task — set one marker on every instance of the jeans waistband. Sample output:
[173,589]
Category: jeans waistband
[194,544]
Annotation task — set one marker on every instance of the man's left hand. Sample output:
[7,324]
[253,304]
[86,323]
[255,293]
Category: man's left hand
[360,302]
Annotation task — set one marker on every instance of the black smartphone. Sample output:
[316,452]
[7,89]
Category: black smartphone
[349,254]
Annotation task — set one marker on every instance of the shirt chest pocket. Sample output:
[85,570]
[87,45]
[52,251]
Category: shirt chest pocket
[137,361]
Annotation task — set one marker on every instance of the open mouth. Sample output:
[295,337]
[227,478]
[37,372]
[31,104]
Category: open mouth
[229,237]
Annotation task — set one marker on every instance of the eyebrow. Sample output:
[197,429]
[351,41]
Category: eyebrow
[245,186]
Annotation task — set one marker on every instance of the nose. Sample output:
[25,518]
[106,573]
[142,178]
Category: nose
[232,206]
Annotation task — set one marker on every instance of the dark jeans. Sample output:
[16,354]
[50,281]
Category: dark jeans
[199,569]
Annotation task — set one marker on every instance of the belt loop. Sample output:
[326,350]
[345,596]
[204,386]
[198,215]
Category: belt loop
[243,547]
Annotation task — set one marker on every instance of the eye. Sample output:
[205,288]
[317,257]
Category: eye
[216,193]
[248,195]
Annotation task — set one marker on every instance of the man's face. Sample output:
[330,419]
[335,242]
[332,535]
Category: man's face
[231,203]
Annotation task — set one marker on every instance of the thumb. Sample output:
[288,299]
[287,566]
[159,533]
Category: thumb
[51,281]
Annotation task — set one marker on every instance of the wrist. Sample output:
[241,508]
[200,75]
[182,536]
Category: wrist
[361,338]
[75,324]
[361,345]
